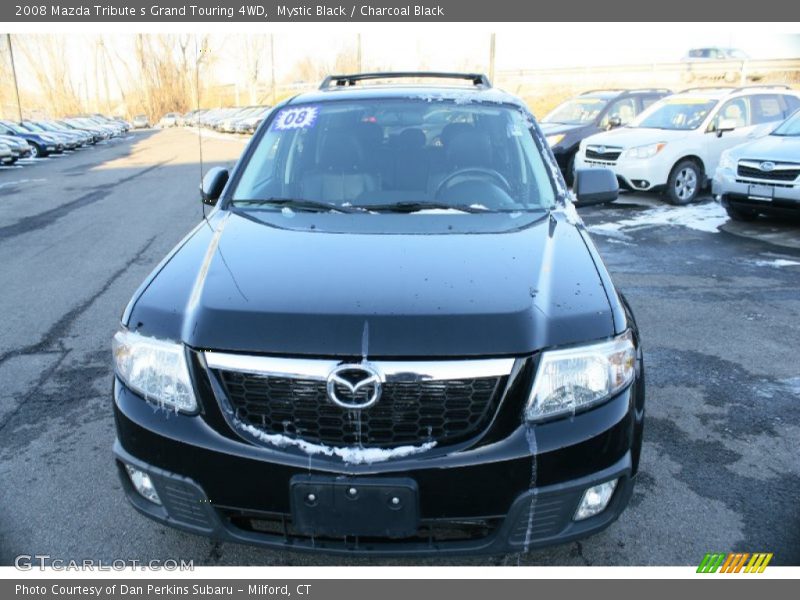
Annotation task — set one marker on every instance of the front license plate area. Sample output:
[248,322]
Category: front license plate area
[380,507]
[765,193]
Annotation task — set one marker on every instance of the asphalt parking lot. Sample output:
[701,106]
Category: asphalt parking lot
[719,311]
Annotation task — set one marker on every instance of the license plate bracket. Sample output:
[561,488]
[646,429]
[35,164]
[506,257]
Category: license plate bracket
[380,507]
[764,193]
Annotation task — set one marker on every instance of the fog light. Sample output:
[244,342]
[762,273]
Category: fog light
[595,499]
[143,484]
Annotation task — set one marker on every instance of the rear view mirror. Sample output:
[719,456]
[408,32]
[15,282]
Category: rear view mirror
[595,186]
[725,125]
[614,122]
[213,184]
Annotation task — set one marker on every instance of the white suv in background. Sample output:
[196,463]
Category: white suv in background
[675,145]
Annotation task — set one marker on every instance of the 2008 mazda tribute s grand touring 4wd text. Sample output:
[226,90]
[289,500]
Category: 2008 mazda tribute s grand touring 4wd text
[392,335]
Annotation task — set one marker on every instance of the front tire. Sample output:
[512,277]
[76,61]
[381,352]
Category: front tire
[741,214]
[36,151]
[684,183]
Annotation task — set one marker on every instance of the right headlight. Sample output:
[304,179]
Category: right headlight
[570,379]
[647,151]
[725,160]
[155,369]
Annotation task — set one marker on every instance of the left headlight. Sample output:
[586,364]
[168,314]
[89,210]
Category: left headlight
[647,151]
[553,140]
[155,369]
[575,378]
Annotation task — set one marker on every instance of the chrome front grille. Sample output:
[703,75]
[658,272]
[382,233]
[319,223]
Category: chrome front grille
[604,153]
[421,402]
[778,172]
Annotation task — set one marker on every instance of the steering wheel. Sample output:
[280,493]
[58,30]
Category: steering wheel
[473,171]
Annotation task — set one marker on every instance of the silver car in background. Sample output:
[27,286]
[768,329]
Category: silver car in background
[762,176]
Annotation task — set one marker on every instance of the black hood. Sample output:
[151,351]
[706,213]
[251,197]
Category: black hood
[556,128]
[237,284]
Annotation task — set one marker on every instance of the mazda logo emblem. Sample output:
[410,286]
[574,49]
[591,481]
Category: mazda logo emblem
[600,149]
[354,386]
[767,166]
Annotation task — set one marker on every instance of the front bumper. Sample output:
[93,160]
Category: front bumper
[472,500]
[632,173]
[732,190]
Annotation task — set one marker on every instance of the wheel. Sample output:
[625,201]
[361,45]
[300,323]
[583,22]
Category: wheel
[741,214]
[36,152]
[684,183]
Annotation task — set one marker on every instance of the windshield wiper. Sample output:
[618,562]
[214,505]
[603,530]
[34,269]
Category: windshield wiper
[410,207]
[299,204]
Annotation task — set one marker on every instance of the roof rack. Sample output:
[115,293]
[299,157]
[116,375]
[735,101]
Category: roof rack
[477,79]
[777,86]
[658,90]
[708,88]
[603,90]
[625,90]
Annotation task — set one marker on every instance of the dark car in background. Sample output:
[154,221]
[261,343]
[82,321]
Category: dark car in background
[69,140]
[589,113]
[41,143]
[393,335]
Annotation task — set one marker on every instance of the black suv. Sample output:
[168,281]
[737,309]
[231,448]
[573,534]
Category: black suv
[592,112]
[392,335]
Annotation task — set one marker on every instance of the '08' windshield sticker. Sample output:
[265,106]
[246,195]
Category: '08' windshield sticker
[296,118]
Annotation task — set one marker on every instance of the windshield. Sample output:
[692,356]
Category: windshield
[577,111]
[676,113]
[405,155]
[790,127]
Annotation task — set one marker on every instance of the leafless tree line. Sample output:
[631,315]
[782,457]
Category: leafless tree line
[151,73]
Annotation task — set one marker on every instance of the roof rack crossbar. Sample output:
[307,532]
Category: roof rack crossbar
[603,90]
[707,88]
[627,91]
[477,79]
[776,86]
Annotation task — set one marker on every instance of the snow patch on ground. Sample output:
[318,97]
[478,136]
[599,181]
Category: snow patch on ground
[778,262]
[701,217]
[354,456]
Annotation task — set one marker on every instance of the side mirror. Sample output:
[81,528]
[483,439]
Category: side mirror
[725,125]
[213,184]
[595,186]
[614,122]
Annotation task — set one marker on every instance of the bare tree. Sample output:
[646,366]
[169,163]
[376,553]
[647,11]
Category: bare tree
[47,58]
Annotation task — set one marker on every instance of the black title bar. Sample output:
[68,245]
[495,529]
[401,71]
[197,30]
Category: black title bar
[210,11]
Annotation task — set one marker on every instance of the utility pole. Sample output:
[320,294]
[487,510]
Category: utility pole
[272,65]
[14,71]
[491,57]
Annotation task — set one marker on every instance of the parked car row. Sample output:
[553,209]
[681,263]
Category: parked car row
[42,137]
[654,140]
[243,120]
